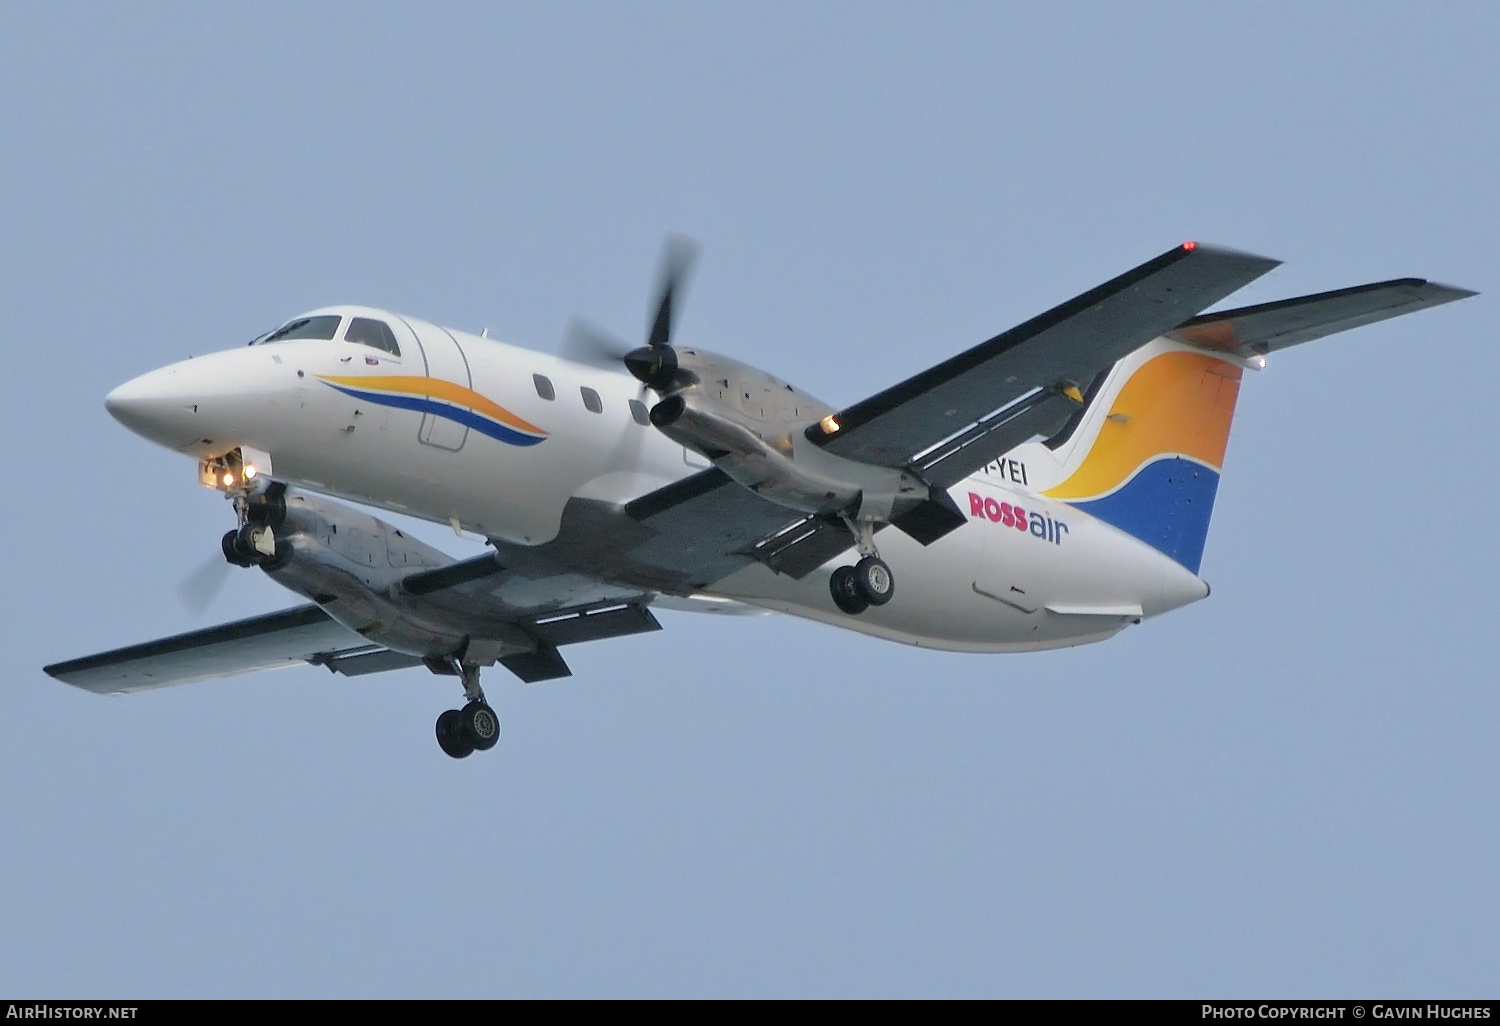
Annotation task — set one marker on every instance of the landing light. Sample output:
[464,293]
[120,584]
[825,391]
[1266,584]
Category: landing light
[228,480]
[829,425]
[249,473]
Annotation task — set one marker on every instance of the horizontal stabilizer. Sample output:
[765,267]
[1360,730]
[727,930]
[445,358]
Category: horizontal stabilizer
[1257,330]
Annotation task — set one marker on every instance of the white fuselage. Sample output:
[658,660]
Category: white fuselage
[1063,578]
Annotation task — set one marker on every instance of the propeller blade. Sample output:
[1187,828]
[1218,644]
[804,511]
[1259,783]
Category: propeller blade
[198,590]
[593,347]
[678,256]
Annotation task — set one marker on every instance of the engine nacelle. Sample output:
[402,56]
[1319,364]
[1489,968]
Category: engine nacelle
[752,426]
[351,564]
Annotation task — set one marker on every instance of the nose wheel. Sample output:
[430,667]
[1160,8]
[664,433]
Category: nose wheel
[475,727]
[255,543]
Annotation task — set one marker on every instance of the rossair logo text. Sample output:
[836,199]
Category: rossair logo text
[1039,524]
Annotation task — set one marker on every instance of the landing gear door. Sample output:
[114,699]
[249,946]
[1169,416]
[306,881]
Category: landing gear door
[445,362]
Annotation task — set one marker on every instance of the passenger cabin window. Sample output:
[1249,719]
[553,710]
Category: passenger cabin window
[323,327]
[543,386]
[367,331]
[639,412]
[591,400]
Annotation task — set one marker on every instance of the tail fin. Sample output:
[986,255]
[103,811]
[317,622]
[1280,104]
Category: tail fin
[1152,465]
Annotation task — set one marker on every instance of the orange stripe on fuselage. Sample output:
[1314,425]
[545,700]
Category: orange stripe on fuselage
[436,388]
[1175,404]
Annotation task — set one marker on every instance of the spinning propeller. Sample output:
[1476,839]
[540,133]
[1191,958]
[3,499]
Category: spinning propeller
[198,590]
[654,365]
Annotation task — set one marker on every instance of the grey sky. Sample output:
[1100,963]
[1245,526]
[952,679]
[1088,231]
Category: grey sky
[1291,788]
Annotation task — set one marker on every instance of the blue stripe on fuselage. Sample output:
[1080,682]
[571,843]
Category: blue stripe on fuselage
[457,414]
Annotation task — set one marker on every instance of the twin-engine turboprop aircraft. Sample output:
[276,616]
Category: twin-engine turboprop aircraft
[1045,488]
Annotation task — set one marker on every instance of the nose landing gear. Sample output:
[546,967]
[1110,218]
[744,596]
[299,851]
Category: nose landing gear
[475,727]
[254,542]
[868,582]
[255,545]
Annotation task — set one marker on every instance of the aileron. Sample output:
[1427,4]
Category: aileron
[286,638]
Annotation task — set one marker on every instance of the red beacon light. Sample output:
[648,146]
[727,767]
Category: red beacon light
[1189,246]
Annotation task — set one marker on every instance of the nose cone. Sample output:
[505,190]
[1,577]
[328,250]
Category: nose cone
[160,406]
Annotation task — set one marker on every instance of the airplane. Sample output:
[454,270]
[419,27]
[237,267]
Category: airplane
[1048,487]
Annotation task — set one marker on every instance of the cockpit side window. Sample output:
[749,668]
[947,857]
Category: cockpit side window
[367,331]
[323,327]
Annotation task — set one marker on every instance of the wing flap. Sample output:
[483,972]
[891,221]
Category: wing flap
[1268,327]
[286,638]
[803,546]
[1044,413]
[376,660]
[705,527]
[574,627]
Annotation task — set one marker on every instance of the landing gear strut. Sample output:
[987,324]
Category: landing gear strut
[475,727]
[868,582]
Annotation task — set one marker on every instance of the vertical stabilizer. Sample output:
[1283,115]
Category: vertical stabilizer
[1148,455]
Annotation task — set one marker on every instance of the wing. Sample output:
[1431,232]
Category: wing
[1257,330]
[518,615]
[304,634]
[954,418]
[945,423]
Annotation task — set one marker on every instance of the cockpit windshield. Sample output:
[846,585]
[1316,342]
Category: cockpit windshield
[323,327]
[367,331]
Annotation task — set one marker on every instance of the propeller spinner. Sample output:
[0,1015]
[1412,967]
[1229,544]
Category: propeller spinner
[655,364]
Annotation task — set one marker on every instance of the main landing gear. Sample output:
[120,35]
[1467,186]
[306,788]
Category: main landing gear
[475,727]
[868,582]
